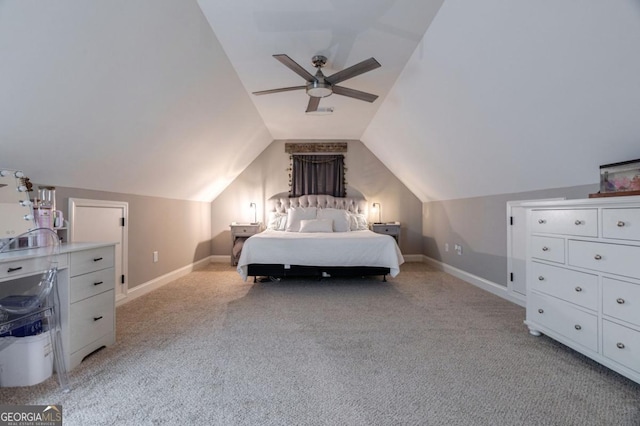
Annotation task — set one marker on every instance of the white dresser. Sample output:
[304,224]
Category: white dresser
[583,277]
[86,283]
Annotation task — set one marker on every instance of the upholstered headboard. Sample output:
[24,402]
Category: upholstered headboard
[281,202]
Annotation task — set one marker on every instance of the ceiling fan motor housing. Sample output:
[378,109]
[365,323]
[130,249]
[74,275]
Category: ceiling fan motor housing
[319,61]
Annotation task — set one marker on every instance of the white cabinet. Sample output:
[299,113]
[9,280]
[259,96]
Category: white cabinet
[583,278]
[90,303]
[86,281]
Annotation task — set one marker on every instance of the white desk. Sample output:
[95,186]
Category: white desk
[86,284]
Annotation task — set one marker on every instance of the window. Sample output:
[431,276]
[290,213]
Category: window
[317,174]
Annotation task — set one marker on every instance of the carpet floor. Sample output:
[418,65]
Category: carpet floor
[423,348]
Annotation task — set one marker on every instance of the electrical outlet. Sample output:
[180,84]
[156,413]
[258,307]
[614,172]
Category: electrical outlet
[458,249]
[446,246]
[155,257]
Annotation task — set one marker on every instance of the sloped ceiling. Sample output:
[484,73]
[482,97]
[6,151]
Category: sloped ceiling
[125,96]
[345,31]
[152,97]
[512,96]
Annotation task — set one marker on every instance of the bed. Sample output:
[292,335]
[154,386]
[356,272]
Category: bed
[319,236]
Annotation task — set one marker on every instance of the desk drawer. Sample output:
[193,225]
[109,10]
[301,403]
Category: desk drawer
[92,318]
[31,266]
[87,285]
[92,260]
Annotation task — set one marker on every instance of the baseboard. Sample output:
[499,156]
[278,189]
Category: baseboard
[149,286]
[490,286]
[218,258]
[413,257]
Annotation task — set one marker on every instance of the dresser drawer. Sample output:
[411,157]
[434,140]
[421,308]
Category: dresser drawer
[621,344]
[622,224]
[621,299]
[87,285]
[576,287]
[92,260]
[92,318]
[548,248]
[612,258]
[580,222]
[562,318]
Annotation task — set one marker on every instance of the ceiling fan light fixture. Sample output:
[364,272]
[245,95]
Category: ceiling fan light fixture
[319,89]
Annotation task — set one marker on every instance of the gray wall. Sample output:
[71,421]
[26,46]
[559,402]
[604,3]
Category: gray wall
[479,225]
[179,230]
[268,176]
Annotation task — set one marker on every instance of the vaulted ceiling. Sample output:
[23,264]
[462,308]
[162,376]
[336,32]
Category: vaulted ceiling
[153,97]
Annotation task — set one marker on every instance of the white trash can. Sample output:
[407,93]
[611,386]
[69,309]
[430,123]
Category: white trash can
[25,361]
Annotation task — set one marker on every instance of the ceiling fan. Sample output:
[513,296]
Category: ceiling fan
[319,86]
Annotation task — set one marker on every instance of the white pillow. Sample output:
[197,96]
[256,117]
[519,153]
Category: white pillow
[296,214]
[358,222]
[339,217]
[316,225]
[277,221]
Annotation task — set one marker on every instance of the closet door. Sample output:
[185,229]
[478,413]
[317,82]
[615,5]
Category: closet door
[103,221]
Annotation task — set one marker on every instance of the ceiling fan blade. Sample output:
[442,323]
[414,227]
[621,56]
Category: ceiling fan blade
[352,93]
[352,71]
[283,89]
[313,104]
[295,67]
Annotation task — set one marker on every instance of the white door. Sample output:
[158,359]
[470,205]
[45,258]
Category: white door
[102,221]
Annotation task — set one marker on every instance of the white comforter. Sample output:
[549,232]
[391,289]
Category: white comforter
[355,248]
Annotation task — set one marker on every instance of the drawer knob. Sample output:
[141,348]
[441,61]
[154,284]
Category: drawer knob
[97,318]
[97,259]
[578,222]
[620,300]
[545,248]
[541,221]
[578,289]
[620,345]
[620,223]
[578,327]
[98,283]
[541,278]
[597,257]
[541,311]
[14,269]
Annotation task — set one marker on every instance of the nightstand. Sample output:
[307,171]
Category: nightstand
[390,228]
[239,233]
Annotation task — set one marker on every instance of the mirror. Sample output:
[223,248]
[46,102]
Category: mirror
[16,214]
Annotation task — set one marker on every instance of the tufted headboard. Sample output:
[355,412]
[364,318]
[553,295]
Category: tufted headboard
[281,202]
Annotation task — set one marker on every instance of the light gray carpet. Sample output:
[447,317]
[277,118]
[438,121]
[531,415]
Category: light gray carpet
[422,349]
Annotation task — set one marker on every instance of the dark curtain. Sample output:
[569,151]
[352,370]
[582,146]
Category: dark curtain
[317,174]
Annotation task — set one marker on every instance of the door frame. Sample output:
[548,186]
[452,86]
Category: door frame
[83,202]
[511,205]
